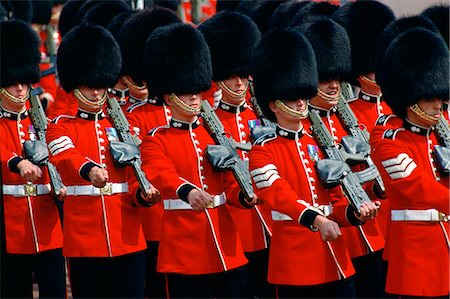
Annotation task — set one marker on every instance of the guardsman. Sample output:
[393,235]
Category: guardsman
[306,233]
[33,228]
[103,238]
[332,47]
[143,116]
[200,251]
[364,22]
[415,72]
[231,38]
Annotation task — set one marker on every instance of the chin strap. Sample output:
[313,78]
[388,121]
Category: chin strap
[298,114]
[327,97]
[368,81]
[15,99]
[423,115]
[232,93]
[130,82]
[93,104]
[177,101]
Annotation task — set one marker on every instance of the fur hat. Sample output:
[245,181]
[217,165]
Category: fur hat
[117,22]
[393,30]
[19,53]
[68,17]
[416,66]
[262,13]
[364,22]
[231,38]
[331,46]
[42,11]
[103,13]
[170,66]
[285,13]
[439,15]
[88,56]
[324,9]
[20,10]
[284,68]
[133,35]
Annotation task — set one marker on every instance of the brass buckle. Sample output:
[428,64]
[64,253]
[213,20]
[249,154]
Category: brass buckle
[443,217]
[106,190]
[30,189]
[210,205]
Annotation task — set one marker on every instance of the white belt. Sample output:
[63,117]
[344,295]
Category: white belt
[430,215]
[178,204]
[277,216]
[109,189]
[26,189]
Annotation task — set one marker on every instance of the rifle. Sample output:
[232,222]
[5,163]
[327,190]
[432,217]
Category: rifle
[335,170]
[224,155]
[256,108]
[50,45]
[128,152]
[442,153]
[352,126]
[443,131]
[40,123]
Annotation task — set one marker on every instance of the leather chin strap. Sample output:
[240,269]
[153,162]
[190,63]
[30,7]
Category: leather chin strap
[130,82]
[283,107]
[327,97]
[424,116]
[232,93]
[97,104]
[177,101]
[14,99]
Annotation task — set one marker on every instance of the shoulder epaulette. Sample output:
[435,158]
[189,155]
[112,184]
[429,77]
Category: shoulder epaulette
[135,105]
[264,139]
[383,119]
[56,119]
[153,131]
[391,133]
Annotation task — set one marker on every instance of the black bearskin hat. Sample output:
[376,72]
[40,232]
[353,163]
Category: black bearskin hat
[285,13]
[20,55]
[364,22]
[324,9]
[231,38]
[117,22]
[331,46]
[88,56]
[439,15]
[133,35]
[68,17]
[103,13]
[393,30]
[262,13]
[42,11]
[416,66]
[177,60]
[284,68]
[20,10]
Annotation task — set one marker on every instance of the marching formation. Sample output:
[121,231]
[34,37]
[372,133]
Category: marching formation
[269,149]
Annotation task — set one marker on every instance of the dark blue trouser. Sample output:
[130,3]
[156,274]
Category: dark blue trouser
[370,278]
[257,268]
[155,283]
[230,284]
[336,289]
[48,269]
[116,277]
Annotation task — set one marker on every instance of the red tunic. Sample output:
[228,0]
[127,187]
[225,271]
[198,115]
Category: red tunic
[32,223]
[283,176]
[94,225]
[251,224]
[418,250]
[143,117]
[368,108]
[191,242]
[65,104]
[361,239]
